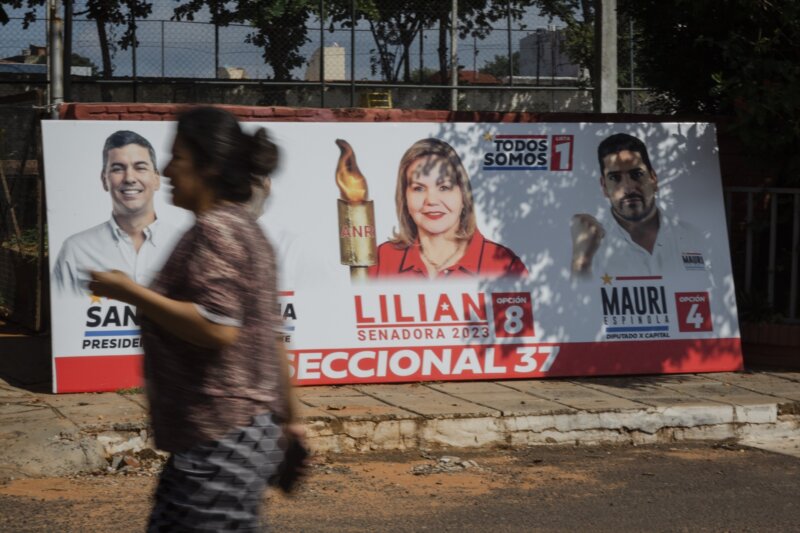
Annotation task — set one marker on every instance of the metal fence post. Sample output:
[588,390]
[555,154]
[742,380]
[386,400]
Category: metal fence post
[162,48]
[56,58]
[454,57]
[216,51]
[421,53]
[630,48]
[322,53]
[352,53]
[134,45]
[795,252]
[510,46]
[748,247]
[773,231]
[68,15]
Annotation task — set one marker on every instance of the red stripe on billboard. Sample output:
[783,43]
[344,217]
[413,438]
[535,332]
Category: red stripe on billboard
[513,361]
[447,363]
[98,373]
[506,361]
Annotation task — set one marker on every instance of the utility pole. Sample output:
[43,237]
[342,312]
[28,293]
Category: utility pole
[56,58]
[605,32]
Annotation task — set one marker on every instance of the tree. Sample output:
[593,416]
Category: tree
[394,27]
[476,18]
[29,16]
[498,67]
[118,13]
[739,58]
[736,58]
[280,27]
[396,24]
[578,16]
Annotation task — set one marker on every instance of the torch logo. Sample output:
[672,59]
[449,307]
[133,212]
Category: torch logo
[357,247]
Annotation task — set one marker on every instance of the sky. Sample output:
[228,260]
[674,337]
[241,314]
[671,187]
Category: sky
[185,49]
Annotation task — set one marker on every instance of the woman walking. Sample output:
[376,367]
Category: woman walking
[216,373]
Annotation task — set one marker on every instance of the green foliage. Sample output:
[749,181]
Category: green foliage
[578,15]
[27,244]
[81,61]
[28,18]
[395,24]
[280,27]
[113,14]
[739,58]
[498,67]
[754,307]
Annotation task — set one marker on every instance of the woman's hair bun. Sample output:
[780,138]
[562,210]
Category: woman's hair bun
[263,155]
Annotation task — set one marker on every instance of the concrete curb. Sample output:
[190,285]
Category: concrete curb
[48,435]
[634,410]
[646,426]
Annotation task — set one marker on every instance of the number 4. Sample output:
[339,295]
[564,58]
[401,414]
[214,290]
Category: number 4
[694,318]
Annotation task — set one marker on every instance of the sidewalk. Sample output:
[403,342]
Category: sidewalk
[52,435]
[42,434]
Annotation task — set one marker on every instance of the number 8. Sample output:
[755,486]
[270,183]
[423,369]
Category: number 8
[513,324]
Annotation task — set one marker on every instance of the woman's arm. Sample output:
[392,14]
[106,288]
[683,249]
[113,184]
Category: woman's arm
[180,318]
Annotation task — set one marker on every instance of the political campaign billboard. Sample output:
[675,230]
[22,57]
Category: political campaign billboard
[423,251]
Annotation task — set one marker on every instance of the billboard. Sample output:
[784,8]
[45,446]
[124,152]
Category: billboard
[425,251]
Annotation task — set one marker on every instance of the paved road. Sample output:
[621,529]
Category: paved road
[696,487]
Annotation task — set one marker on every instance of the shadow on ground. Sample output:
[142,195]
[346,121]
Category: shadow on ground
[25,358]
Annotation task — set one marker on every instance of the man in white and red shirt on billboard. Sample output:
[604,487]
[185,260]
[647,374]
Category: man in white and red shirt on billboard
[641,239]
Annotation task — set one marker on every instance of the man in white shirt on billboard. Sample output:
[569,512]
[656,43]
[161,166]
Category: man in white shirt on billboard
[641,240]
[133,240]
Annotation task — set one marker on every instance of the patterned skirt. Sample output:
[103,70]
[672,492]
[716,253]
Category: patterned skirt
[219,486]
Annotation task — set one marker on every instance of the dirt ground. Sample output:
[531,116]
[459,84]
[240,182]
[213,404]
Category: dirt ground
[707,488]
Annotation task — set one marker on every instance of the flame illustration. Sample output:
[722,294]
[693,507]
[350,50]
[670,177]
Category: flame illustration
[350,180]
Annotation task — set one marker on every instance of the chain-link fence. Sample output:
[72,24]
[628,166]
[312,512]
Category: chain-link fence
[331,54]
[23,247]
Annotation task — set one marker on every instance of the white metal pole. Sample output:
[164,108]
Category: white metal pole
[606,52]
[56,58]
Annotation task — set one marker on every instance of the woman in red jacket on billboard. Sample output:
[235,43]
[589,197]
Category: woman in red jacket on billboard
[437,235]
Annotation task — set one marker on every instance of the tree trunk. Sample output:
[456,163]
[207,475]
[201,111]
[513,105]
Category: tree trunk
[444,33]
[383,52]
[105,53]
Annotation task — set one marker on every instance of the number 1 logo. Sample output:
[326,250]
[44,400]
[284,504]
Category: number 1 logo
[561,152]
